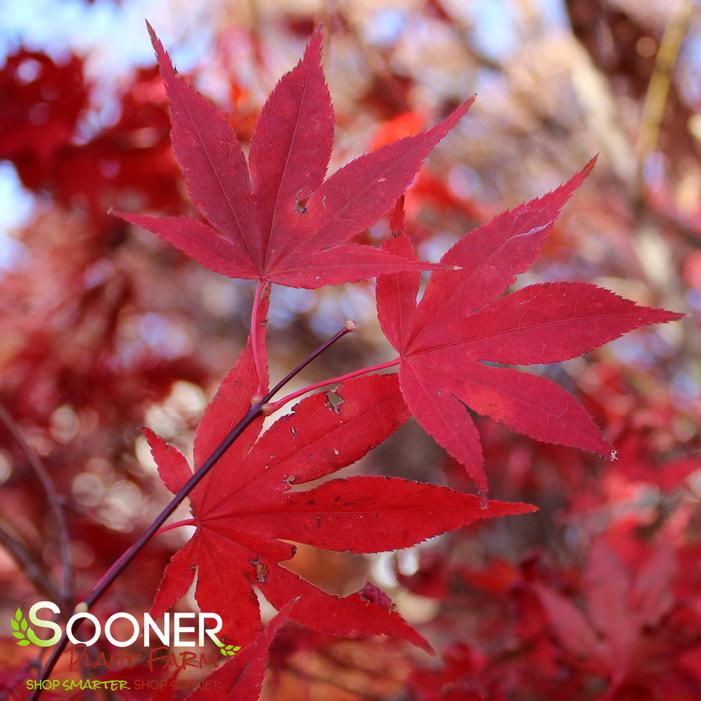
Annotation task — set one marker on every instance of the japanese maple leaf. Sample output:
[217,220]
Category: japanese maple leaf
[242,677]
[249,506]
[460,324]
[624,614]
[278,219]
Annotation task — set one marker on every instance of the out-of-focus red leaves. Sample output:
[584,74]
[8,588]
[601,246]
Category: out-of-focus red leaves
[41,102]
[128,162]
[42,106]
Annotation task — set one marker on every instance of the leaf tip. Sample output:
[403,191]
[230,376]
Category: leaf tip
[316,42]
[591,163]
[440,130]
[155,41]
[313,51]
[153,440]
[133,219]
[671,316]
[512,508]
[581,175]
[655,315]
[112,212]
[164,62]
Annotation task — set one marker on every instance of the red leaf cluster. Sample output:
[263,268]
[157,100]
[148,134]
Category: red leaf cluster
[593,599]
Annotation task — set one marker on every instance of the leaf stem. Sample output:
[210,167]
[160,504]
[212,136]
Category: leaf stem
[126,558]
[274,406]
[176,524]
[260,290]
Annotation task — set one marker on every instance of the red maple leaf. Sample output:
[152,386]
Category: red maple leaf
[620,637]
[242,677]
[282,221]
[249,506]
[458,325]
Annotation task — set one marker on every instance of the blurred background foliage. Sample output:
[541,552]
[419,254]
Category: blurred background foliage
[105,329]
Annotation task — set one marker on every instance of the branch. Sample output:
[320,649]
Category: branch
[53,497]
[123,562]
[658,87]
[29,563]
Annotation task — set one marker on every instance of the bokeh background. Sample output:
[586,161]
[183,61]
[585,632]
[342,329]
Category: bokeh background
[105,329]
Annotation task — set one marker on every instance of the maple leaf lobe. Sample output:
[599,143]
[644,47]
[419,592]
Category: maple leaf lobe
[459,324]
[246,512]
[280,221]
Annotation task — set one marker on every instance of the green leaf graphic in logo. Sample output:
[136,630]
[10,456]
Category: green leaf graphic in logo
[23,632]
[227,650]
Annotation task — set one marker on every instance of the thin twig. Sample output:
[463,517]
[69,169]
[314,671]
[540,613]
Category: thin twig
[658,87]
[54,499]
[29,563]
[274,406]
[655,256]
[123,562]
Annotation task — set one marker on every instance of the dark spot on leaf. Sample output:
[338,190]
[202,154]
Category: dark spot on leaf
[301,204]
[334,401]
[374,595]
[261,570]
